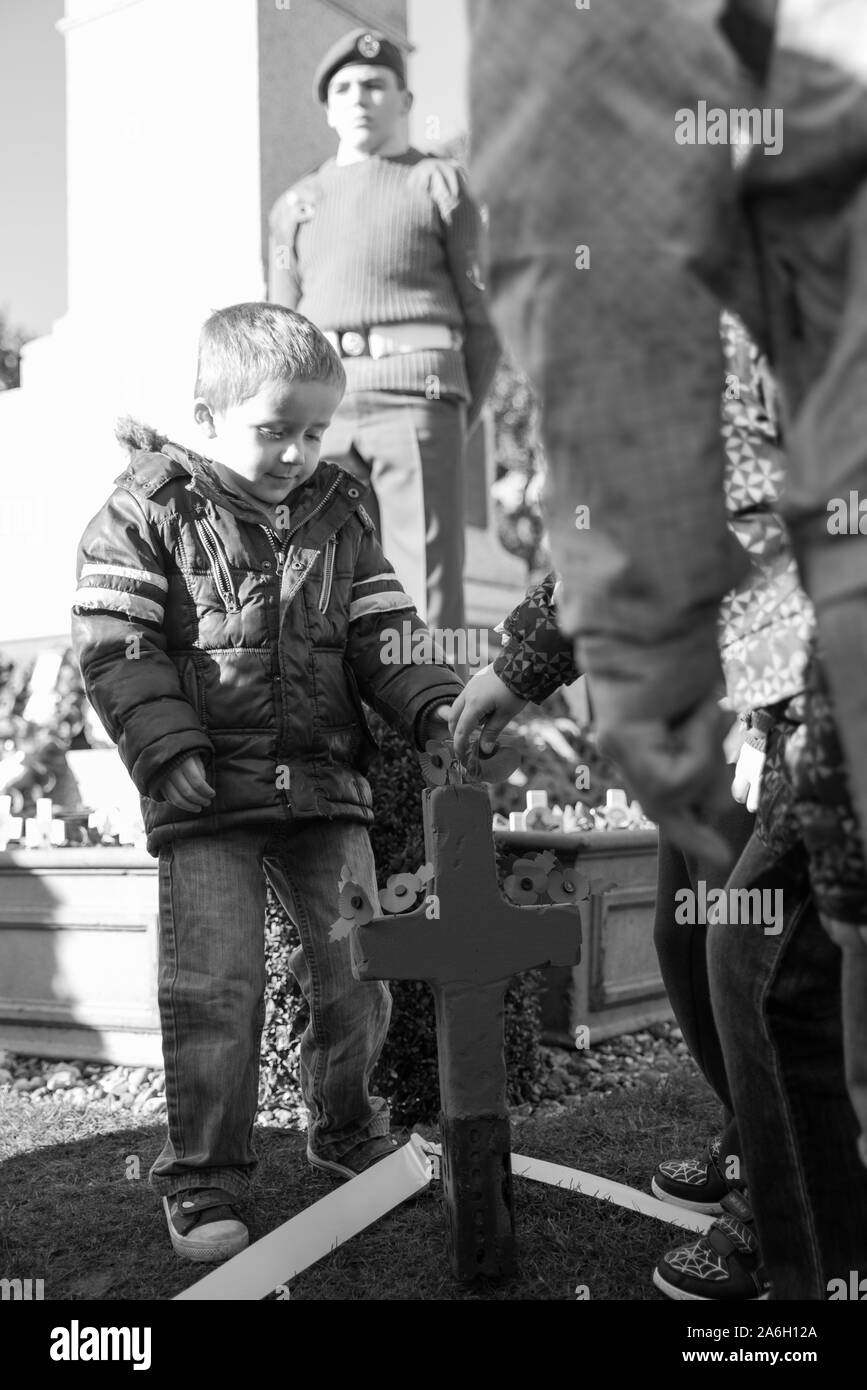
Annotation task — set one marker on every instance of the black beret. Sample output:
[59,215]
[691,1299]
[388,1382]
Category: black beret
[361,46]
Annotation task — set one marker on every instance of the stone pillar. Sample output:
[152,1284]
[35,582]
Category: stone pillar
[184,124]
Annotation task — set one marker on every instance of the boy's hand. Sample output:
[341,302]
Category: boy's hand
[186,786]
[487,702]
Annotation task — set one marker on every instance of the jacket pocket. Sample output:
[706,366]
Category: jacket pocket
[344,742]
[219,563]
[192,685]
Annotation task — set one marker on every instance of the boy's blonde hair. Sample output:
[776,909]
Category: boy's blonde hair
[243,347]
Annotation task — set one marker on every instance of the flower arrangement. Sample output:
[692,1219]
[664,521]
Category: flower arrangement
[37,729]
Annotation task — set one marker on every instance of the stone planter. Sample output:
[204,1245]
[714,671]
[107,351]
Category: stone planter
[78,947]
[78,954]
[617,987]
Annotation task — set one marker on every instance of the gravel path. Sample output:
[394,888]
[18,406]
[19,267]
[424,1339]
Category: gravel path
[566,1076]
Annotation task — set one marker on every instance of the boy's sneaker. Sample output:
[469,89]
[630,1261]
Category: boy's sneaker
[697,1184]
[204,1224]
[359,1158]
[724,1263]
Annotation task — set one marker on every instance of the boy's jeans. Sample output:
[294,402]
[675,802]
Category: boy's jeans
[211,996]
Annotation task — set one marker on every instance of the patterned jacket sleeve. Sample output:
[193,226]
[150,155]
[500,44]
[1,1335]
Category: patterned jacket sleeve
[766,622]
[401,674]
[536,658]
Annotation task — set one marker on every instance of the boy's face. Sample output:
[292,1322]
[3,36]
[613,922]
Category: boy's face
[269,444]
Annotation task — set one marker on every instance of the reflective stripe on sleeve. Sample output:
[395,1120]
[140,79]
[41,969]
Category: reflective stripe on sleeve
[375,579]
[159,581]
[385,602]
[116,600]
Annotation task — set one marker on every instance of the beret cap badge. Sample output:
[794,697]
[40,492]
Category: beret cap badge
[361,45]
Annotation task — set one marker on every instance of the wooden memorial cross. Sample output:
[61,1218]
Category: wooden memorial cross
[467,954]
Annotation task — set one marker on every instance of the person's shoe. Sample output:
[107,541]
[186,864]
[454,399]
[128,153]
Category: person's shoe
[697,1184]
[723,1264]
[359,1158]
[204,1224]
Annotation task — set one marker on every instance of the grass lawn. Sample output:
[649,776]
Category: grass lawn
[70,1215]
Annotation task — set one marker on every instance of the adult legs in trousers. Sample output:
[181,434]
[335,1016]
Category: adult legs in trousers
[410,451]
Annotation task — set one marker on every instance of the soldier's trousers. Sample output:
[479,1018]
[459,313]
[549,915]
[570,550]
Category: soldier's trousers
[410,451]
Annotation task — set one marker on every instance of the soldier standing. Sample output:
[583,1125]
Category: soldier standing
[380,247]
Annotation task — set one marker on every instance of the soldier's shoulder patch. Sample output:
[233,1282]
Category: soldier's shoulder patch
[443,178]
[300,204]
[300,200]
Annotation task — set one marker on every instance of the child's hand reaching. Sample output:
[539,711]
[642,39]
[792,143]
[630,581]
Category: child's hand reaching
[186,786]
[487,702]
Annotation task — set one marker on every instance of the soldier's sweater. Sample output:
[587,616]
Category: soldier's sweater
[389,240]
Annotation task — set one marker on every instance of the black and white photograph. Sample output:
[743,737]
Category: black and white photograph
[433,670]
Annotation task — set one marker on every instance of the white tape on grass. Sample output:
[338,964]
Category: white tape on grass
[617,1192]
[300,1242]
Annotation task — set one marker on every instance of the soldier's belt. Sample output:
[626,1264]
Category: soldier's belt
[389,340]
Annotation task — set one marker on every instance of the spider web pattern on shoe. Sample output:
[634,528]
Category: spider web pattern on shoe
[740,1235]
[699,1260]
[685,1170]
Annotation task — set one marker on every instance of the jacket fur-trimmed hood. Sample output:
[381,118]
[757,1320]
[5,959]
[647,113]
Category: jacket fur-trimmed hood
[135,435]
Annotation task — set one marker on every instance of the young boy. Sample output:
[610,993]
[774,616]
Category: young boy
[230,611]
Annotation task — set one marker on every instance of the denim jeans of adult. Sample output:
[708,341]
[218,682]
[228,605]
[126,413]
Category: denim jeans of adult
[211,996]
[807,799]
[776,999]
[682,953]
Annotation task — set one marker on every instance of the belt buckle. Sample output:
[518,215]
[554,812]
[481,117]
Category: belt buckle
[353,344]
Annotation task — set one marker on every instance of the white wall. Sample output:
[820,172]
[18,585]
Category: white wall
[163,160]
[438,69]
[164,225]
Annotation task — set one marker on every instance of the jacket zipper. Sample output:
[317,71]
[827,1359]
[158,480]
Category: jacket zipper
[327,573]
[318,508]
[279,548]
[219,564]
[281,553]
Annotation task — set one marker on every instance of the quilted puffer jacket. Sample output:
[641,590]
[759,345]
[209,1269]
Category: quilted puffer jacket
[199,629]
